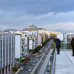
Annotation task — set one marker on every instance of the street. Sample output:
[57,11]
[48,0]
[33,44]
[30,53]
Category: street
[35,59]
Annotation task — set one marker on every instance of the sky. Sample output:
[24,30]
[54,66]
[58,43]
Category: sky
[55,15]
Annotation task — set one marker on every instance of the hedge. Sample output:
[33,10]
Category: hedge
[14,69]
[39,47]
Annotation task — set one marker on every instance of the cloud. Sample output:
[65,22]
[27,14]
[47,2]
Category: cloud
[61,27]
[55,15]
[37,7]
[61,21]
[3,27]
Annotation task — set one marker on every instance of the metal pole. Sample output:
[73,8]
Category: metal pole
[11,50]
[2,48]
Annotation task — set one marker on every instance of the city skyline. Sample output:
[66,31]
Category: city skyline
[52,15]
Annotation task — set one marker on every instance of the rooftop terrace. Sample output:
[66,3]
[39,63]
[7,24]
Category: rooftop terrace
[64,63]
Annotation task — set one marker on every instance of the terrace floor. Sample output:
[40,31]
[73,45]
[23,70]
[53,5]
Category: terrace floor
[64,63]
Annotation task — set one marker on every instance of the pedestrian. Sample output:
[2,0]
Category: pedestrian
[58,44]
[72,44]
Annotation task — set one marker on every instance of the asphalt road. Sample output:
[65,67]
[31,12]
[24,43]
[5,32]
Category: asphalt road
[34,60]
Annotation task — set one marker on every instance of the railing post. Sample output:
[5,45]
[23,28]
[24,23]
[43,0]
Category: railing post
[54,59]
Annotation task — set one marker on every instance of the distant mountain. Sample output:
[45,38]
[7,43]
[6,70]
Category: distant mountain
[32,27]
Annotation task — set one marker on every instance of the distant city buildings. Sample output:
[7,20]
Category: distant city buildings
[29,38]
[32,33]
[15,44]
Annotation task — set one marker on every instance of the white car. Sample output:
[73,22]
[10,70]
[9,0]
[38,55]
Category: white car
[29,70]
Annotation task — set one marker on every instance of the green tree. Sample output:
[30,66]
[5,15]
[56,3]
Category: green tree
[14,69]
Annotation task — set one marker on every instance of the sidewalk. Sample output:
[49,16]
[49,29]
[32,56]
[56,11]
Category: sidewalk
[64,63]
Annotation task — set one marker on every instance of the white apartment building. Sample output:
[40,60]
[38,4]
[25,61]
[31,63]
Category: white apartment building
[7,52]
[32,33]
[22,42]
[18,45]
[25,44]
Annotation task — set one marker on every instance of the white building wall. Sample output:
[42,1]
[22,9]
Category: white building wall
[6,52]
[18,47]
[33,36]
[30,45]
[39,39]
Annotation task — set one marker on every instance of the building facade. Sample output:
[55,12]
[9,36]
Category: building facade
[32,33]
[7,51]
[18,46]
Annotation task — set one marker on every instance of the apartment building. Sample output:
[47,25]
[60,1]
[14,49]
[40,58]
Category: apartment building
[7,51]
[21,40]
[18,45]
[40,39]
[32,33]
[43,33]
[25,44]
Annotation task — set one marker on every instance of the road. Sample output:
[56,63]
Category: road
[35,58]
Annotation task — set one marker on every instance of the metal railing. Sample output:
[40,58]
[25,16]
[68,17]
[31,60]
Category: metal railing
[66,45]
[49,64]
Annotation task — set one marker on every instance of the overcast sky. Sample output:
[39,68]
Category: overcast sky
[56,15]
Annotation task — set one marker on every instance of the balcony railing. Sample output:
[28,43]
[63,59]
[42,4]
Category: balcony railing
[66,45]
[48,66]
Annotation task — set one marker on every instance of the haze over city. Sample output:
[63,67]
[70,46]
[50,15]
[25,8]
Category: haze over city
[57,15]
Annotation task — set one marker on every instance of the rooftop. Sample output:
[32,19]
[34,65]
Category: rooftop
[64,63]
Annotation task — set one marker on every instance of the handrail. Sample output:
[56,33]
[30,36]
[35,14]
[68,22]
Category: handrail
[49,65]
[36,67]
